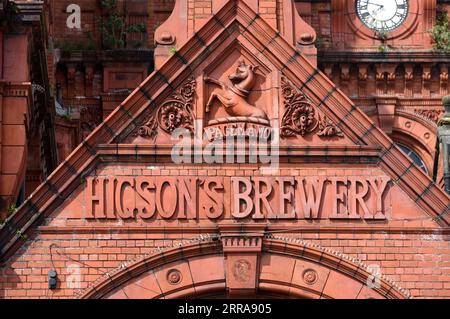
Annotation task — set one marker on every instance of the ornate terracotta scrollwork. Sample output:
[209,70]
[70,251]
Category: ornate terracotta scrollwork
[301,117]
[172,114]
[431,114]
[327,128]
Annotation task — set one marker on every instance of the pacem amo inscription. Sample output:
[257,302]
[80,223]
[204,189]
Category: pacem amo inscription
[271,198]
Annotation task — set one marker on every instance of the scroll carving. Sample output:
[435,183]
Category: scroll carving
[327,128]
[173,114]
[301,117]
[431,114]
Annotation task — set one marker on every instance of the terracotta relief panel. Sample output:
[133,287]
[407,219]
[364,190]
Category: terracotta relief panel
[237,92]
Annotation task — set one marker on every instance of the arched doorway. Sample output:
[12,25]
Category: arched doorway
[286,269]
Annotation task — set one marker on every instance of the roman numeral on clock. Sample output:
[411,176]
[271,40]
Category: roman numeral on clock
[382,15]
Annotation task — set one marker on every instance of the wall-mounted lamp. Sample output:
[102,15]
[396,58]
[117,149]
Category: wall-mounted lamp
[52,279]
[444,140]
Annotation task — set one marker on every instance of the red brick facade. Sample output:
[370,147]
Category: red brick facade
[345,213]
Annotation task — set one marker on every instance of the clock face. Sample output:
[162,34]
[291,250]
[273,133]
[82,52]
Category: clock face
[382,15]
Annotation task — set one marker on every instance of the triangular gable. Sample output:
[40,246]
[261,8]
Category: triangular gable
[234,18]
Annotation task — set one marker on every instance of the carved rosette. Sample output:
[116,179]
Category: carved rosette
[310,276]
[173,114]
[174,276]
[301,117]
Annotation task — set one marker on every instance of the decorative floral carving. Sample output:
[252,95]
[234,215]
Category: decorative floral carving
[310,276]
[300,116]
[327,128]
[173,114]
[241,270]
[432,115]
[174,276]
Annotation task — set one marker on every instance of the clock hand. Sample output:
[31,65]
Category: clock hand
[376,4]
[380,8]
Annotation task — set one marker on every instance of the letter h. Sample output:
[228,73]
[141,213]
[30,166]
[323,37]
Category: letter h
[95,195]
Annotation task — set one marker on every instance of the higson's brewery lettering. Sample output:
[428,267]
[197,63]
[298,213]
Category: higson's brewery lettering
[272,198]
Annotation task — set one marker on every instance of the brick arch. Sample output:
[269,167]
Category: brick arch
[287,268]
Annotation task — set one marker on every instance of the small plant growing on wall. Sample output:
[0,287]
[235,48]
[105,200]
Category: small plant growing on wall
[114,28]
[441,32]
[70,46]
[12,209]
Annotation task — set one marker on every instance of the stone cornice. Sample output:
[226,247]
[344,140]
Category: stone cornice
[399,56]
[124,55]
[287,154]
[164,230]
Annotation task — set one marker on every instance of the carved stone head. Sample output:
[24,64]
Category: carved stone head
[243,72]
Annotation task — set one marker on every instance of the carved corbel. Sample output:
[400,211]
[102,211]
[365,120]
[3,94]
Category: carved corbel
[409,77]
[363,72]
[385,75]
[426,74]
[391,76]
[426,77]
[345,72]
[380,76]
[328,70]
[409,72]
